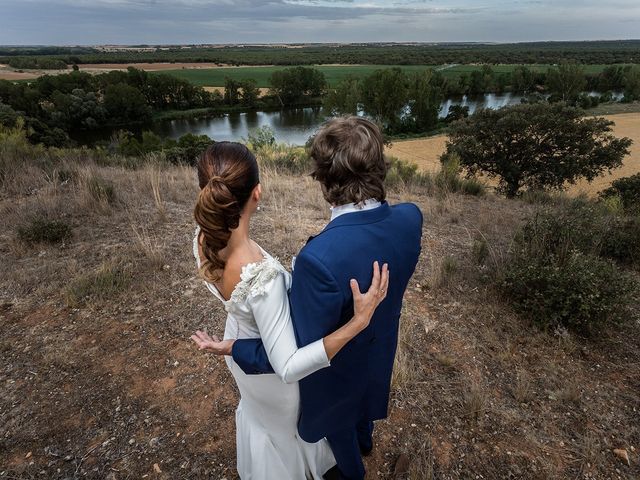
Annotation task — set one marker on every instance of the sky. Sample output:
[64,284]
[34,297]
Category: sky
[95,22]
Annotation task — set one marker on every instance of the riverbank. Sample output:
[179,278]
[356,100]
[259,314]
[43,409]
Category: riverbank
[425,152]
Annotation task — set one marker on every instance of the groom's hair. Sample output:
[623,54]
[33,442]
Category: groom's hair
[349,161]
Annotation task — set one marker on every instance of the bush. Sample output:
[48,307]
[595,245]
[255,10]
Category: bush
[42,230]
[261,137]
[101,190]
[405,174]
[621,240]
[107,281]
[573,290]
[282,157]
[448,179]
[628,189]
[557,275]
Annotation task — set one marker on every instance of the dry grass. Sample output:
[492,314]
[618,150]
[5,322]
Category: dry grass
[112,383]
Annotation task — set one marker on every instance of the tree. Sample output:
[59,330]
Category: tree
[536,146]
[612,78]
[385,95]
[522,79]
[78,109]
[566,82]
[293,84]
[126,104]
[425,97]
[231,94]
[345,98]
[249,95]
[481,81]
[632,85]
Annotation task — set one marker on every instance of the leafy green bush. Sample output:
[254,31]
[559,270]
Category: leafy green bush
[261,137]
[574,290]
[621,240]
[42,230]
[557,275]
[628,189]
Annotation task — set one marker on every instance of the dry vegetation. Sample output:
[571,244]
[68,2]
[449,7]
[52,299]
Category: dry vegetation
[100,380]
[425,152]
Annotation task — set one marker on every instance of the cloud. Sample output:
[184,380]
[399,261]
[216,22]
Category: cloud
[274,21]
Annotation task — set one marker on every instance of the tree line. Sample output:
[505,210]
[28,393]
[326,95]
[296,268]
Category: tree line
[55,106]
[598,52]
[410,103]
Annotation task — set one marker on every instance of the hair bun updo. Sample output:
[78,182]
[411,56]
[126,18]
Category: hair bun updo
[227,174]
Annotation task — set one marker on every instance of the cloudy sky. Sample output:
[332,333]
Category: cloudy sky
[64,22]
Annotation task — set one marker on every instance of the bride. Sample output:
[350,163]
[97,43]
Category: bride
[253,286]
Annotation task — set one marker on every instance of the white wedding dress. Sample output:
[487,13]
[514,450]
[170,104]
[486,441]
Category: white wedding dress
[267,441]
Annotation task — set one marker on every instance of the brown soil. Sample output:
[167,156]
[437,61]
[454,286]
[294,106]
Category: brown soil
[425,152]
[110,386]
[13,75]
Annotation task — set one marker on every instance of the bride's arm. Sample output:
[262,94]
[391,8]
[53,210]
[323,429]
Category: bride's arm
[273,318]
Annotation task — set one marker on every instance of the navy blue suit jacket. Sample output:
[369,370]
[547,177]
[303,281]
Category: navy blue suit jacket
[356,385]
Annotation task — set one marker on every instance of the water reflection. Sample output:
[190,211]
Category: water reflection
[296,125]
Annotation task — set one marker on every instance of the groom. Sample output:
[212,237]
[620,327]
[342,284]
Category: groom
[342,401]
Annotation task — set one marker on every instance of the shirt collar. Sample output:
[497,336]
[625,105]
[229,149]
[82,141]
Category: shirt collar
[354,207]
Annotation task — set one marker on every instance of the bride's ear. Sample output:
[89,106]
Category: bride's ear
[257,193]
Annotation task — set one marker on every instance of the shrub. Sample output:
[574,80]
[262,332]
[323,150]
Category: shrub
[557,276]
[101,190]
[42,230]
[402,173]
[261,137]
[573,290]
[282,157]
[107,281]
[480,250]
[448,179]
[621,240]
[628,189]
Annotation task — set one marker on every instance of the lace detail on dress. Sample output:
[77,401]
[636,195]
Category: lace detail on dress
[254,279]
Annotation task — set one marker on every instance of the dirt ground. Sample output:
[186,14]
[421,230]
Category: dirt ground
[425,152]
[6,73]
[101,381]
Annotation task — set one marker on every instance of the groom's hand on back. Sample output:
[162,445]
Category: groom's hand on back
[212,344]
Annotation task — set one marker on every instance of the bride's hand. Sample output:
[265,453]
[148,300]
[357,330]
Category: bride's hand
[212,344]
[364,305]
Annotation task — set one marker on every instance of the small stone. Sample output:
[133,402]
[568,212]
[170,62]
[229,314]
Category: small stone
[132,441]
[28,455]
[623,455]
[156,468]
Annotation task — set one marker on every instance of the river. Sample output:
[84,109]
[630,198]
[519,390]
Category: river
[295,126]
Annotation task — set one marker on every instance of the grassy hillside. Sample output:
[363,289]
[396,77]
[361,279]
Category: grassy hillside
[100,379]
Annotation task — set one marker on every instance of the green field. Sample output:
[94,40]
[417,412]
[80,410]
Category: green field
[215,77]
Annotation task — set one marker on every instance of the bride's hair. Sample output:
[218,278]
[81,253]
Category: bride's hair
[227,174]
